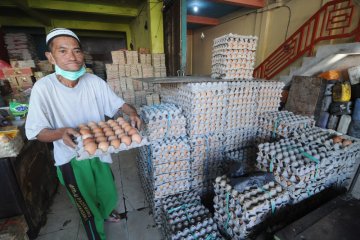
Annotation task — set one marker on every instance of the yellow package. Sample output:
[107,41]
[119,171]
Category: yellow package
[341,92]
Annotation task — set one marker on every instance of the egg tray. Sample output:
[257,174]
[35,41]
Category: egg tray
[183,216]
[239,213]
[305,169]
[82,154]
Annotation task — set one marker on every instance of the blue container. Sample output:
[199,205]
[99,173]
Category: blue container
[323,119]
[354,129]
[326,102]
[356,111]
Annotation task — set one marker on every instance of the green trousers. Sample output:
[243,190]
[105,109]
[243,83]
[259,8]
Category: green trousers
[90,185]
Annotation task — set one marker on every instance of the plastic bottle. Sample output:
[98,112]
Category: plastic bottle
[344,123]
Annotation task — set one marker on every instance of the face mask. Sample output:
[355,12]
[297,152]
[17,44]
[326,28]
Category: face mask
[72,76]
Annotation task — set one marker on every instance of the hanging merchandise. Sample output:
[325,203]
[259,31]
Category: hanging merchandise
[323,119]
[356,111]
[341,92]
[330,75]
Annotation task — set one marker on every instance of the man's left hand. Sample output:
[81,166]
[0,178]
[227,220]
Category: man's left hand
[135,121]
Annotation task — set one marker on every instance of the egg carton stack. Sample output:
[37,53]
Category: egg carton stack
[310,161]
[233,57]
[239,212]
[131,57]
[184,217]
[206,161]
[163,121]
[281,124]
[158,62]
[268,96]
[20,46]
[118,57]
[145,58]
[204,106]
[240,129]
[165,164]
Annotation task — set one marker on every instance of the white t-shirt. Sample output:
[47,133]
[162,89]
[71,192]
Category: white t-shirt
[53,106]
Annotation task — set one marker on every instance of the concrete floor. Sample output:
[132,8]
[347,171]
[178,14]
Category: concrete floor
[63,221]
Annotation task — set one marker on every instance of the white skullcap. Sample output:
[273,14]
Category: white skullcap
[60,31]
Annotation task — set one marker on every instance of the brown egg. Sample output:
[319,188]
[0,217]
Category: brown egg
[127,128]
[103,146]
[85,136]
[94,127]
[111,138]
[101,139]
[346,142]
[337,139]
[116,128]
[109,133]
[117,132]
[83,126]
[91,148]
[105,129]
[132,131]
[99,134]
[96,130]
[120,135]
[126,140]
[110,121]
[125,124]
[113,124]
[136,138]
[88,140]
[120,120]
[102,123]
[92,124]
[115,143]
[85,131]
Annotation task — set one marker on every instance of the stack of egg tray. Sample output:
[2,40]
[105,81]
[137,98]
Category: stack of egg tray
[268,96]
[244,157]
[281,124]
[233,57]
[164,168]
[184,217]
[206,161]
[163,121]
[309,162]
[239,213]
[203,104]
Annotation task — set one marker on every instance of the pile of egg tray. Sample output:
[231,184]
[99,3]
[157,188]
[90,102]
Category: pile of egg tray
[103,135]
[309,162]
[184,217]
[206,160]
[164,168]
[237,213]
[204,105]
[163,121]
[233,57]
[343,152]
[277,124]
[246,157]
[268,96]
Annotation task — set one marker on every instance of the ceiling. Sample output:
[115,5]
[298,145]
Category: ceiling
[207,13]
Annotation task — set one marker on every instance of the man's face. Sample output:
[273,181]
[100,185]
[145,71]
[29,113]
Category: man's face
[66,53]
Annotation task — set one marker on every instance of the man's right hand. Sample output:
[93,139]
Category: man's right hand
[51,135]
[67,137]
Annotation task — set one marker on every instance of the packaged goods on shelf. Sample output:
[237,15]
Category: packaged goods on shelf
[233,57]
[20,46]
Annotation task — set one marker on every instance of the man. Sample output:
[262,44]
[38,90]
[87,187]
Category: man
[60,102]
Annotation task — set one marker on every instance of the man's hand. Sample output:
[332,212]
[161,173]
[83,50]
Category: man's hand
[134,117]
[135,121]
[67,136]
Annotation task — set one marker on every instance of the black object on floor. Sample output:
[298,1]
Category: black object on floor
[335,220]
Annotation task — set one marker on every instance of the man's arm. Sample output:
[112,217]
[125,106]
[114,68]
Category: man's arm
[49,135]
[133,115]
